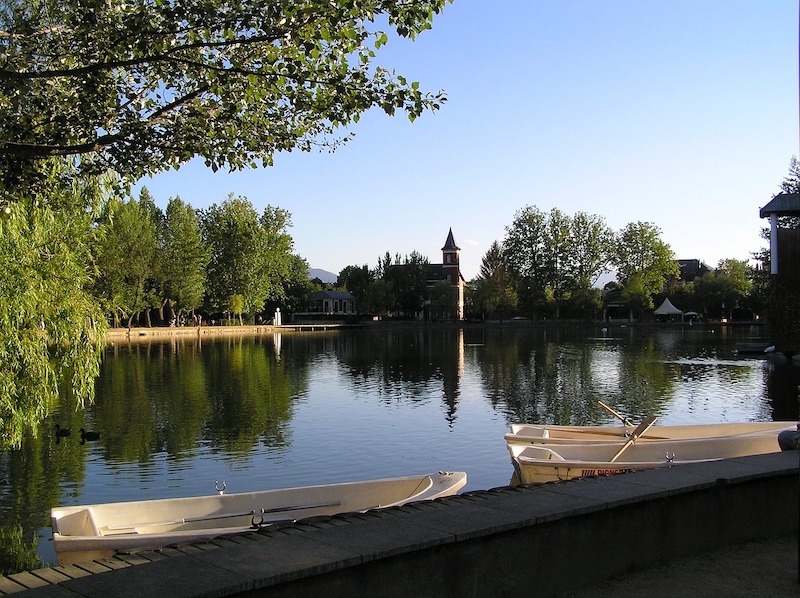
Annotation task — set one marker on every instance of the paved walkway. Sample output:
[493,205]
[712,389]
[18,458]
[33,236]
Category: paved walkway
[766,568]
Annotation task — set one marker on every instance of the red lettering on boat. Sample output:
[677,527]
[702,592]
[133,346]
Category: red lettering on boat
[587,472]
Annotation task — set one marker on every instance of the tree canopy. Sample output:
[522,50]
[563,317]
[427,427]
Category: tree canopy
[556,257]
[249,255]
[139,87]
[125,258]
[643,261]
[182,260]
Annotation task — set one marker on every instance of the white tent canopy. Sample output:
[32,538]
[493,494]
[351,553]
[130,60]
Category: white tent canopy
[667,309]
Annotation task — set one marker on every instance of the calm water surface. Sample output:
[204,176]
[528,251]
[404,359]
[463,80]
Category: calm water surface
[296,409]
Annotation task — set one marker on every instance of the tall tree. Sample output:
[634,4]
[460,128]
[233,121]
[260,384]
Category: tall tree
[408,280]
[183,257]
[278,264]
[492,261]
[379,298]
[297,288]
[250,256]
[355,279]
[591,244]
[559,257]
[125,259]
[726,289]
[493,293]
[644,262]
[233,236]
[791,183]
[525,253]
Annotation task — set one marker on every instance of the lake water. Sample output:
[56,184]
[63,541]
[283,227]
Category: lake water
[272,411]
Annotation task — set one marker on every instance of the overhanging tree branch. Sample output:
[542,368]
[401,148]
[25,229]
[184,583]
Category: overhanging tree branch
[38,150]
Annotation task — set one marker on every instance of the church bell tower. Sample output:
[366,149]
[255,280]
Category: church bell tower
[452,270]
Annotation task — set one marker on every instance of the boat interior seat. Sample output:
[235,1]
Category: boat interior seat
[542,453]
[78,523]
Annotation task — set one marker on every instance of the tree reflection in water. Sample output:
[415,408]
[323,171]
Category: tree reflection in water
[288,409]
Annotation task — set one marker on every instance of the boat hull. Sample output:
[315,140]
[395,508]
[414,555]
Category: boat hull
[539,463]
[547,434]
[89,532]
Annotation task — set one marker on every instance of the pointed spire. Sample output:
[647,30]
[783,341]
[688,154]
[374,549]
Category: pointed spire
[450,244]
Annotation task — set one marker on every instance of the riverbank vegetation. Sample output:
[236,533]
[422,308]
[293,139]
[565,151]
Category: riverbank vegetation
[547,268]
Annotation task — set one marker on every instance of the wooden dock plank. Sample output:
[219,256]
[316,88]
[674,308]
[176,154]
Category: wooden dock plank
[9,586]
[133,558]
[27,579]
[113,563]
[71,571]
[50,575]
[93,567]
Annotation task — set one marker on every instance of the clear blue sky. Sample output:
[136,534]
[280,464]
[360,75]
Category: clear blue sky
[683,113]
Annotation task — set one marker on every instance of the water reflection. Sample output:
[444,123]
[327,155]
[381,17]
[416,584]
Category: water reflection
[289,409]
[411,365]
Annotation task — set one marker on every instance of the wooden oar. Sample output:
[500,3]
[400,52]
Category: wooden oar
[640,429]
[121,526]
[178,521]
[621,418]
[335,503]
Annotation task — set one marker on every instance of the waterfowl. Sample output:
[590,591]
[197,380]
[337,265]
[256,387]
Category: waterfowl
[62,432]
[89,435]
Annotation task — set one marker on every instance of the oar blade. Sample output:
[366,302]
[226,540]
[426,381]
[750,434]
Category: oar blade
[641,429]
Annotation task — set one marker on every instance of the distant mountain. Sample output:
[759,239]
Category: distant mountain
[323,275]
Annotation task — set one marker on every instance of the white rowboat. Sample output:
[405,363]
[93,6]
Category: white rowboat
[528,434]
[89,532]
[537,463]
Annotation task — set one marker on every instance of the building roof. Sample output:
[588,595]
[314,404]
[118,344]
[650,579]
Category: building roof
[691,269]
[332,295]
[450,244]
[783,204]
[436,272]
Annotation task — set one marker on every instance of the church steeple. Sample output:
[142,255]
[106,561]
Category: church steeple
[450,258]
[450,244]
[452,271]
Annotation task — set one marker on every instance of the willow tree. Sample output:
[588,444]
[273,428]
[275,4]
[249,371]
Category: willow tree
[136,87]
[51,326]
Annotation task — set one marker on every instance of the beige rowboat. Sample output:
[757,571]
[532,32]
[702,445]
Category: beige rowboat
[537,463]
[528,434]
[88,532]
